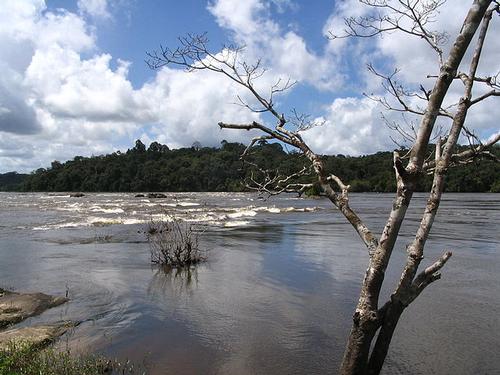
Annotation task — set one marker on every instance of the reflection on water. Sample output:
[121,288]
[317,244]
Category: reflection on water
[179,280]
[276,295]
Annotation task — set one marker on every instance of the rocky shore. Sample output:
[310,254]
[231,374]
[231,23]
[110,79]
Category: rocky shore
[16,307]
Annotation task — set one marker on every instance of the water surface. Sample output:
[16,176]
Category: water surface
[277,293]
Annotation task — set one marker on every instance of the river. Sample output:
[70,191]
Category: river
[276,294]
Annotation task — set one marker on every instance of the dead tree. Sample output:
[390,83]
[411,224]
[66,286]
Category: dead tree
[374,321]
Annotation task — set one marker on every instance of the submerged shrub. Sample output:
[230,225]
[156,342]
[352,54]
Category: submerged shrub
[174,243]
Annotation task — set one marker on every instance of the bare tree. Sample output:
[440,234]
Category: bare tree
[374,321]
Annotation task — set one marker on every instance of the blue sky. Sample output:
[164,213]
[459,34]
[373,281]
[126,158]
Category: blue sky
[140,26]
[75,82]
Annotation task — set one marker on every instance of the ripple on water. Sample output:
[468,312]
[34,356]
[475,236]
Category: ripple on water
[277,293]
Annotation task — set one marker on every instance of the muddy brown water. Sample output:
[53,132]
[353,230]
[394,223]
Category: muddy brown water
[277,293]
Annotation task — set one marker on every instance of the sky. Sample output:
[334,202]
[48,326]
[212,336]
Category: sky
[74,79]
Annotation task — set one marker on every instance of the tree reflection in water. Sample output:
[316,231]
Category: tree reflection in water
[173,281]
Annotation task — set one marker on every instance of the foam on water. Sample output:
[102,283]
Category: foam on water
[180,204]
[187,204]
[242,213]
[236,223]
[98,210]
[133,221]
[106,210]
[58,226]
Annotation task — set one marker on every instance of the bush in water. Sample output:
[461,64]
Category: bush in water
[174,243]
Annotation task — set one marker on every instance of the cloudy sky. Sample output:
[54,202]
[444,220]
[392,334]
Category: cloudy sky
[74,80]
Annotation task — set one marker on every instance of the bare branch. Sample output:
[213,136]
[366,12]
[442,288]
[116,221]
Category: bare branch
[303,122]
[431,273]
[491,81]
[255,125]
[480,151]
[193,54]
[416,248]
[424,279]
[271,182]
[397,91]
[255,140]
[484,96]
[344,188]
[410,17]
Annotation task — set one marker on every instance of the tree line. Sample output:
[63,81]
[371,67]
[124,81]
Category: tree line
[197,168]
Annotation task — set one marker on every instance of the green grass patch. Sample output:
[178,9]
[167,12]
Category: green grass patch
[25,359]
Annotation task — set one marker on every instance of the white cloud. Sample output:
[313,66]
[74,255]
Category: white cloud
[60,96]
[87,89]
[64,29]
[243,18]
[284,5]
[15,114]
[352,126]
[284,53]
[17,16]
[94,8]
[71,104]
[81,105]
[292,58]
[24,31]
[190,105]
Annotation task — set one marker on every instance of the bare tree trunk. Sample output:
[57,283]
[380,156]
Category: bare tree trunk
[384,337]
[368,317]
[358,349]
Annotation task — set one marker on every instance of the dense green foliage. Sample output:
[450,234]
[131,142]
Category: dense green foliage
[11,181]
[220,169]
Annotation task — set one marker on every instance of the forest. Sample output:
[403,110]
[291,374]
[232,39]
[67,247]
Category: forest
[197,168]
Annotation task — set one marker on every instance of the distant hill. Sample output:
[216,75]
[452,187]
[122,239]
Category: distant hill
[11,181]
[157,168]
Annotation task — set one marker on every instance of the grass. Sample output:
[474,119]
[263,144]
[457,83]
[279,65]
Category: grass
[24,359]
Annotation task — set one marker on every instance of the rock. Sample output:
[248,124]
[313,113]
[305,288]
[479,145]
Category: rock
[156,195]
[77,195]
[139,195]
[15,307]
[38,336]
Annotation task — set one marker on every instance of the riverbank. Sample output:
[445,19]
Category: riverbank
[26,350]
[16,307]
